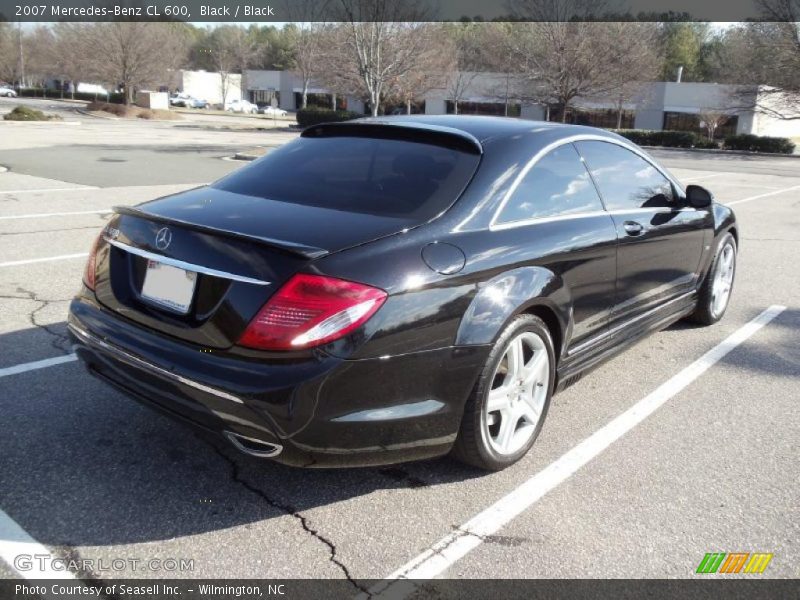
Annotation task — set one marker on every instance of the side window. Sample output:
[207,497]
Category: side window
[558,184]
[625,180]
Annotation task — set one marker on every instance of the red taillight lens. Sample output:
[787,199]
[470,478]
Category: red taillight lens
[310,310]
[91,265]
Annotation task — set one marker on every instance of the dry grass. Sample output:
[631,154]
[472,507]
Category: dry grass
[133,112]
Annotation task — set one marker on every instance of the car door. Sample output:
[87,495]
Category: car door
[555,217]
[660,238]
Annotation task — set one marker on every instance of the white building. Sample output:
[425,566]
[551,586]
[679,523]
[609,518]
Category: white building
[207,85]
[286,88]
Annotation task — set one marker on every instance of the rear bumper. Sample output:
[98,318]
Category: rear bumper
[322,411]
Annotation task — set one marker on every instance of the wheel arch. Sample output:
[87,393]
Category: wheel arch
[525,290]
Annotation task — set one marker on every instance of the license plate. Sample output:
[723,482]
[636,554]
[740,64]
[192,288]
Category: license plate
[168,286]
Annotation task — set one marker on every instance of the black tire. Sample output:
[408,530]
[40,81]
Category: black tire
[471,446]
[704,314]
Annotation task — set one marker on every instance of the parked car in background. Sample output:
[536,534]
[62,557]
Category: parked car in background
[188,101]
[392,289]
[241,106]
[271,111]
[7,92]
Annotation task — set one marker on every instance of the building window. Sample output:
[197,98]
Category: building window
[264,97]
[598,117]
[483,108]
[314,100]
[680,121]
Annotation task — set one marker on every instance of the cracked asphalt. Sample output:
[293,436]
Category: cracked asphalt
[92,475]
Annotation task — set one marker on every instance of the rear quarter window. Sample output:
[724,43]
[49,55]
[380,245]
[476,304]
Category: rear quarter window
[385,177]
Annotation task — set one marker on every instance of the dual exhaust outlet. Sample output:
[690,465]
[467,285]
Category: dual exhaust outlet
[252,446]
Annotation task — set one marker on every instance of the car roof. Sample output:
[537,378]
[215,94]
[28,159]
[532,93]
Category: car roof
[485,128]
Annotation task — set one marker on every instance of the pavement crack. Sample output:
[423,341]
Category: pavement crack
[59,340]
[292,512]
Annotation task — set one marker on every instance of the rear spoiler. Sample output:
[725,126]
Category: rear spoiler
[309,252]
[447,137]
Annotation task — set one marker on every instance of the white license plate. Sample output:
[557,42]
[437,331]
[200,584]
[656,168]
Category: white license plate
[168,286]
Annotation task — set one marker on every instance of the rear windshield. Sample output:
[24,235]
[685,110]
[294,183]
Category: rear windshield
[383,177]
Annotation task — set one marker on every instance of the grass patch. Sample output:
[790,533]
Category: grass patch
[133,112]
[26,113]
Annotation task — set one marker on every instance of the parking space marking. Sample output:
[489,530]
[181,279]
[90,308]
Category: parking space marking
[710,176]
[58,214]
[781,191]
[16,542]
[15,263]
[470,535]
[37,364]
[62,189]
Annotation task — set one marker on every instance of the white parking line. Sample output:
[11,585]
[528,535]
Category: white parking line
[58,214]
[62,189]
[470,535]
[25,555]
[15,263]
[781,191]
[710,176]
[37,364]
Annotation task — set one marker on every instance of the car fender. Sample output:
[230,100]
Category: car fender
[506,295]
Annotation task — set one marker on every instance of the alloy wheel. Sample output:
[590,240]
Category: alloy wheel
[518,394]
[723,280]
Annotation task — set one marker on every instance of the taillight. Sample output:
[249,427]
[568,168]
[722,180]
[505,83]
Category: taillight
[89,276]
[310,310]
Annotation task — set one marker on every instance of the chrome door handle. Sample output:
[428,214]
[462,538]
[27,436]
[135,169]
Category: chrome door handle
[632,227]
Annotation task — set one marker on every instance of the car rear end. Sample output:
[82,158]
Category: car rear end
[215,305]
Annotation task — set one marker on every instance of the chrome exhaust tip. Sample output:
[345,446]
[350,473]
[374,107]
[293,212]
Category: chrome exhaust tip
[252,446]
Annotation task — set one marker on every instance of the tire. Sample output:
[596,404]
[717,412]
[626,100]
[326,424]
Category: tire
[483,441]
[719,280]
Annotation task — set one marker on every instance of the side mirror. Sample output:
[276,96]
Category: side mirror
[698,196]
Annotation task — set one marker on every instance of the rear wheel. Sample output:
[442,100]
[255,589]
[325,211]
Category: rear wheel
[715,293]
[505,412]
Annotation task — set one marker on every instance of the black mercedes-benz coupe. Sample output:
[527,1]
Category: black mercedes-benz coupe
[399,288]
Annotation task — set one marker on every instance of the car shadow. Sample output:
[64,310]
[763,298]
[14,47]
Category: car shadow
[83,465]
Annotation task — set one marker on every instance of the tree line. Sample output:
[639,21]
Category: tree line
[391,61]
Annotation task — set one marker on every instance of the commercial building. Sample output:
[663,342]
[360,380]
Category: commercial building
[654,105]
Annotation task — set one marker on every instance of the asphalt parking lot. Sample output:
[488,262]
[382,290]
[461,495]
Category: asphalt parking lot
[87,473]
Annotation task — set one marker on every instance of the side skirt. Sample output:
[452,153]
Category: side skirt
[592,354]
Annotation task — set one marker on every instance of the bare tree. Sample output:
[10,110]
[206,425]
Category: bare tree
[132,54]
[379,45]
[711,119]
[634,59]
[434,61]
[65,54]
[468,59]
[767,54]
[231,51]
[307,48]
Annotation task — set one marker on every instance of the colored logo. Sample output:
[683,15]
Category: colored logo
[734,562]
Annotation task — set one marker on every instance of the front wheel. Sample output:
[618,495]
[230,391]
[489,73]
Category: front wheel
[715,293]
[505,413]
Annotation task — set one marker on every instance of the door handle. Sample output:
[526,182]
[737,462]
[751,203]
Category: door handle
[632,227]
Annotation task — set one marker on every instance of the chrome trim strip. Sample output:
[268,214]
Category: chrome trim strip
[233,438]
[589,343]
[131,359]
[584,215]
[182,264]
[493,224]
